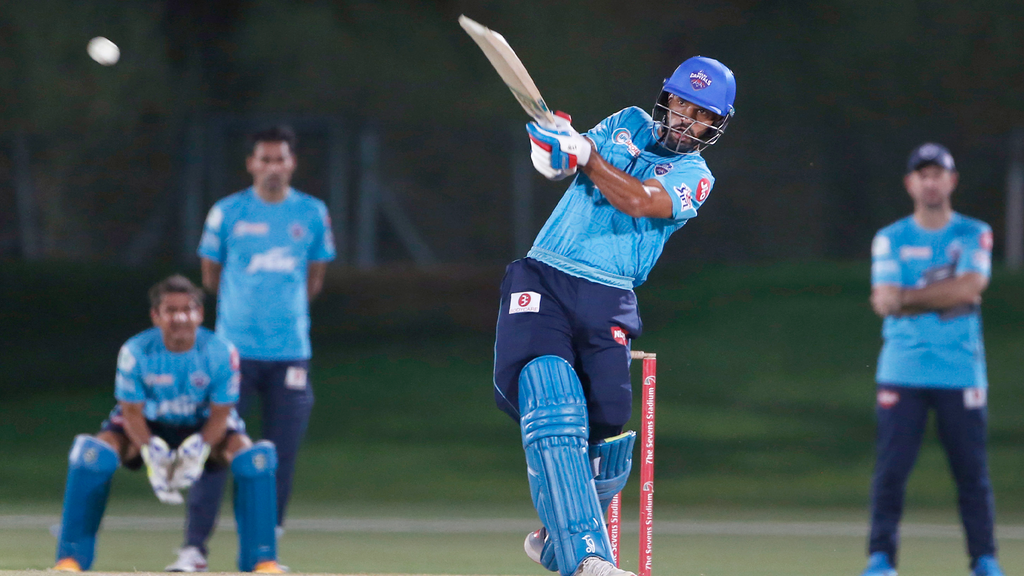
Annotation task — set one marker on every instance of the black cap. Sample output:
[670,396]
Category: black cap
[930,153]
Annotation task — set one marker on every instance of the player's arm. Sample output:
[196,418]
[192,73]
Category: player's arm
[315,273]
[886,299]
[211,274]
[217,424]
[638,199]
[964,289]
[135,426]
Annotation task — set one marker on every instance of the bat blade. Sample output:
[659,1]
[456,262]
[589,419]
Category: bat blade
[511,70]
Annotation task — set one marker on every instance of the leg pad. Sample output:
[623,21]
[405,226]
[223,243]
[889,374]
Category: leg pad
[255,504]
[91,463]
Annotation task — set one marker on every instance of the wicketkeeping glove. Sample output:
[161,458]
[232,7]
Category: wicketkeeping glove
[159,461]
[191,457]
[557,151]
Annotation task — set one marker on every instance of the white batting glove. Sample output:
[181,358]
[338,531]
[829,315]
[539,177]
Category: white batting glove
[191,457]
[541,158]
[159,461]
[566,147]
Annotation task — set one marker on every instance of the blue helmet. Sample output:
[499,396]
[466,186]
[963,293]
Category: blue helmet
[705,82]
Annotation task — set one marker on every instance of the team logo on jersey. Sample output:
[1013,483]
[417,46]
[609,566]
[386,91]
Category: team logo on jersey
[662,169]
[888,398]
[624,138]
[703,189]
[524,302]
[199,380]
[273,260]
[685,196]
[975,398]
[243,228]
[619,335]
[700,80]
[985,240]
[297,231]
[915,253]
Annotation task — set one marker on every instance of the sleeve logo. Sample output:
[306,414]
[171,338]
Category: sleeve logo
[125,360]
[524,302]
[685,196]
[881,246]
[985,241]
[703,189]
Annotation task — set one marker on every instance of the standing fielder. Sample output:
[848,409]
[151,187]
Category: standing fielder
[568,311]
[176,387]
[927,275]
[264,252]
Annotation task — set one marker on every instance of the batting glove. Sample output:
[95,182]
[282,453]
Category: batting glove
[191,457]
[159,461]
[558,150]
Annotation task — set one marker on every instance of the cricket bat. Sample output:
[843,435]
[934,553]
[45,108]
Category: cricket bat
[511,69]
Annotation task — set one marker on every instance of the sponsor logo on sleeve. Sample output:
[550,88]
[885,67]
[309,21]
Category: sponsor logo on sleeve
[236,362]
[619,335]
[234,384]
[662,169]
[215,218]
[915,253]
[524,302]
[982,260]
[985,240]
[881,246]
[125,385]
[885,267]
[273,260]
[700,80]
[243,228]
[125,360]
[295,378]
[975,398]
[685,196]
[622,137]
[703,189]
[888,398]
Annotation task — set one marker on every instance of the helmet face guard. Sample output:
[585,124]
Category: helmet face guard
[677,132]
[701,81]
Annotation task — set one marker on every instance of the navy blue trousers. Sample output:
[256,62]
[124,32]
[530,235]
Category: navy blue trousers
[588,324]
[962,418]
[286,398]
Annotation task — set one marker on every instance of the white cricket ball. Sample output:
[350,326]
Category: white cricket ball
[103,51]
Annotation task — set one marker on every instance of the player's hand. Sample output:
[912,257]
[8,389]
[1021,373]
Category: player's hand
[541,158]
[159,459]
[566,147]
[191,457]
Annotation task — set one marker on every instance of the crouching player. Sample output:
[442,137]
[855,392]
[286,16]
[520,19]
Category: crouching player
[176,387]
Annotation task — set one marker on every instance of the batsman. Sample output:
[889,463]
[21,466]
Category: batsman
[176,386]
[568,312]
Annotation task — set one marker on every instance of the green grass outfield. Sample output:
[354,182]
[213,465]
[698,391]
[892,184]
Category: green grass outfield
[765,408]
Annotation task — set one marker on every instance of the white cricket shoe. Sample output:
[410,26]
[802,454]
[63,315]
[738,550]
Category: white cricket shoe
[534,544]
[190,559]
[596,566]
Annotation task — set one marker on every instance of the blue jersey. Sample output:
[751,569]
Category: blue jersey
[177,388]
[942,348]
[586,236]
[265,249]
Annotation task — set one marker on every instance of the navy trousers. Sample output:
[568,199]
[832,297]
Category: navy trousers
[962,418]
[546,311]
[286,397]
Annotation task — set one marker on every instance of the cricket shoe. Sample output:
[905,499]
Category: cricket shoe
[987,566]
[597,566]
[879,565]
[269,567]
[190,559]
[540,550]
[68,565]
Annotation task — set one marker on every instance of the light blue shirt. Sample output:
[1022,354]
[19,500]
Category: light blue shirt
[586,236]
[943,348]
[177,388]
[265,249]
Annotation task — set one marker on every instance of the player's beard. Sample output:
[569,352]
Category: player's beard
[274,183]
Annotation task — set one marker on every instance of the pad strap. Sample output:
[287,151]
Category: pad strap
[612,459]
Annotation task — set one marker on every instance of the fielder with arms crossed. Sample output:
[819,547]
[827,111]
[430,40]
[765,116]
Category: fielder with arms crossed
[568,311]
[176,386]
[927,275]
